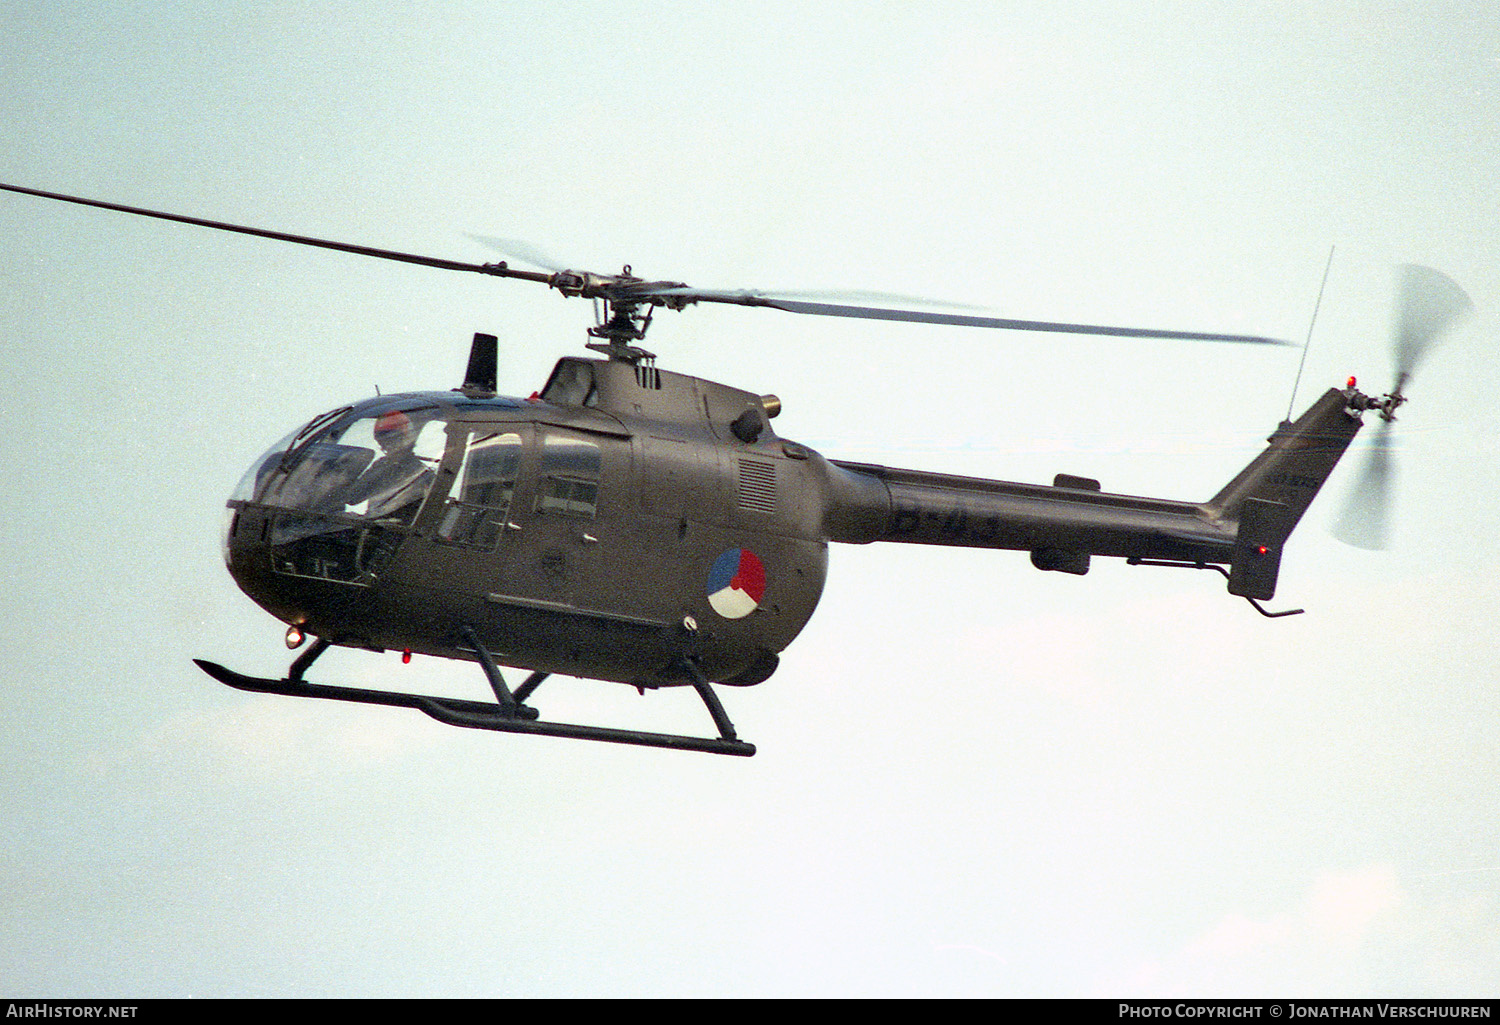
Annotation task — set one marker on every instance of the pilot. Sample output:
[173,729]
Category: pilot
[395,483]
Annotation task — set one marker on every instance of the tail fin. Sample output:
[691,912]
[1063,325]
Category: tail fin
[1267,498]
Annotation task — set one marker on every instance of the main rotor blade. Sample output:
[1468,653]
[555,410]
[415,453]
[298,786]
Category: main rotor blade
[676,294]
[954,319]
[519,249]
[494,269]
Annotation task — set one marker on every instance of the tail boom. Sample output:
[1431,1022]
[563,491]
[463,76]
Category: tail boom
[942,509]
[1244,526]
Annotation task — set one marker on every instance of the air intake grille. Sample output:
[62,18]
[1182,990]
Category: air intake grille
[758,485]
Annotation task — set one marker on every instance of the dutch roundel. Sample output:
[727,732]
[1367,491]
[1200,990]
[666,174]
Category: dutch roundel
[736,583]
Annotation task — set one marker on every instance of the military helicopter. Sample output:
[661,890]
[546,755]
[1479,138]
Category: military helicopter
[626,523]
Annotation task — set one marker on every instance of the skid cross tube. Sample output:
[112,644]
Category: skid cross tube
[530,685]
[710,700]
[507,700]
[307,658]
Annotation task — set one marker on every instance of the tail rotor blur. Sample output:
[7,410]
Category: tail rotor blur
[1364,522]
[1428,305]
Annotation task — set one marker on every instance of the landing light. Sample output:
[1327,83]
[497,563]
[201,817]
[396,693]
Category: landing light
[295,637]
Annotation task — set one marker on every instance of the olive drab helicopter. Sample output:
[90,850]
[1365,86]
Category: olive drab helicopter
[631,524]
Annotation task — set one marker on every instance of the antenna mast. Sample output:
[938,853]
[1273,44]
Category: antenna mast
[1307,344]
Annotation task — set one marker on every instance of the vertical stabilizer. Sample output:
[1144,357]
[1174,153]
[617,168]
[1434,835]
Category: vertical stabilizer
[1267,498]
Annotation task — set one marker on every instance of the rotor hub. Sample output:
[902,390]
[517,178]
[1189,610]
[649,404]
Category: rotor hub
[1385,405]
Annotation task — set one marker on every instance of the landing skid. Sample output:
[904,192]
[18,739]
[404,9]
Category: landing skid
[508,714]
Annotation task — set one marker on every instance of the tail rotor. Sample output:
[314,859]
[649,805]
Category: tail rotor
[1428,305]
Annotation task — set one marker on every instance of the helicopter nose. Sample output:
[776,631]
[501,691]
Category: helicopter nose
[241,540]
[226,534]
[249,558]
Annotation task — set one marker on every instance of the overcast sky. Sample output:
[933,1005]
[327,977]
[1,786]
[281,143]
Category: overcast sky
[972,778]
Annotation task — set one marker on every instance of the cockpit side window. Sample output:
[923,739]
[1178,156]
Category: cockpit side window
[479,503]
[569,476]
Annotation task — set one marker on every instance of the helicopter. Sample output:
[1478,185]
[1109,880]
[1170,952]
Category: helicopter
[632,524]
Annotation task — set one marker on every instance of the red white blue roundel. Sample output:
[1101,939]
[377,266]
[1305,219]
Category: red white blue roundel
[736,583]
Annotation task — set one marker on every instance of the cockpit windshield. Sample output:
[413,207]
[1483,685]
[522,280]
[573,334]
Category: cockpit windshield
[378,467]
[343,489]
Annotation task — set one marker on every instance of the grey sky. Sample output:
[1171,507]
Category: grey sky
[973,778]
